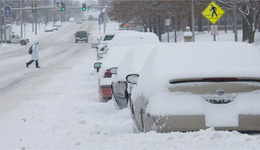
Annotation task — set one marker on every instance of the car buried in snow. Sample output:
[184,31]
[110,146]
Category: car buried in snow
[193,86]
[118,52]
[132,63]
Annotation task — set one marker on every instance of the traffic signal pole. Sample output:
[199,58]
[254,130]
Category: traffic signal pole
[21,18]
[35,19]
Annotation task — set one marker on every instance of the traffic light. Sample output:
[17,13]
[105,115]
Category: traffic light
[84,6]
[34,6]
[62,6]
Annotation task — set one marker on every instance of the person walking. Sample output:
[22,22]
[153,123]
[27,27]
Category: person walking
[34,56]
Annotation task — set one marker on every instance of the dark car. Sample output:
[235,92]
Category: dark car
[81,36]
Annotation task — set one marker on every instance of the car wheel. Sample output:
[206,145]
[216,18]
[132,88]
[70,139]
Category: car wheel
[23,43]
[76,41]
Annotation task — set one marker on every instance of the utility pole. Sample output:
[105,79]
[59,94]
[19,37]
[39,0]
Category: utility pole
[4,22]
[1,22]
[235,19]
[192,20]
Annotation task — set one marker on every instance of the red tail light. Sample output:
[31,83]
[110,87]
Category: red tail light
[102,49]
[107,74]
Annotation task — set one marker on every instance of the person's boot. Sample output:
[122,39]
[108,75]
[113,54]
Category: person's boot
[27,64]
[37,65]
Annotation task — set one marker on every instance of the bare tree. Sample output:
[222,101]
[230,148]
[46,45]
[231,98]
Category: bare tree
[250,11]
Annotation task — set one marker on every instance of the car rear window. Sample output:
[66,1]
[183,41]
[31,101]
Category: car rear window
[108,37]
[81,34]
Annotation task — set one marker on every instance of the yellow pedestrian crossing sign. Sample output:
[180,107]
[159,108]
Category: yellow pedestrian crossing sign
[213,12]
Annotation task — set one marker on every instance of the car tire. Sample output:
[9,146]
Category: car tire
[23,43]
[76,41]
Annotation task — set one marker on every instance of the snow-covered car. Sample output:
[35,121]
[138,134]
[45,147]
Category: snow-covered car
[193,86]
[58,24]
[79,21]
[71,19]
[104,78]
[132,63]
[55,27]
[131,38]
[119,50]
[48,28]
[104,40]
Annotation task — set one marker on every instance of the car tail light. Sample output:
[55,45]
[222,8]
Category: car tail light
[107,74]
[102,49]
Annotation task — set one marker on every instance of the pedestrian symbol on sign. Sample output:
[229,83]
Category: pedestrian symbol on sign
[214,9]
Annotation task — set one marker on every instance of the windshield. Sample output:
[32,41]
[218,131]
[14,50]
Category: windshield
[108,37]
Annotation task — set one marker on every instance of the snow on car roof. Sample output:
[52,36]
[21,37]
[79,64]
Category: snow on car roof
[134,60]
[133,38]
[198,59]
[113,57]
[114,33]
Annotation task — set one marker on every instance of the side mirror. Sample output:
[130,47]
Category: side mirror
[100,55]
[132,78]
[97,65]
[113,70]
[94,45]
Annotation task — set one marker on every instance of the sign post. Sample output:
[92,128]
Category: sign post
[100,19]
[214,31]
[213,13]
[167,24]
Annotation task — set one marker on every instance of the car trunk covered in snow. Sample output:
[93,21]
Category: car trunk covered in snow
[200,85]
